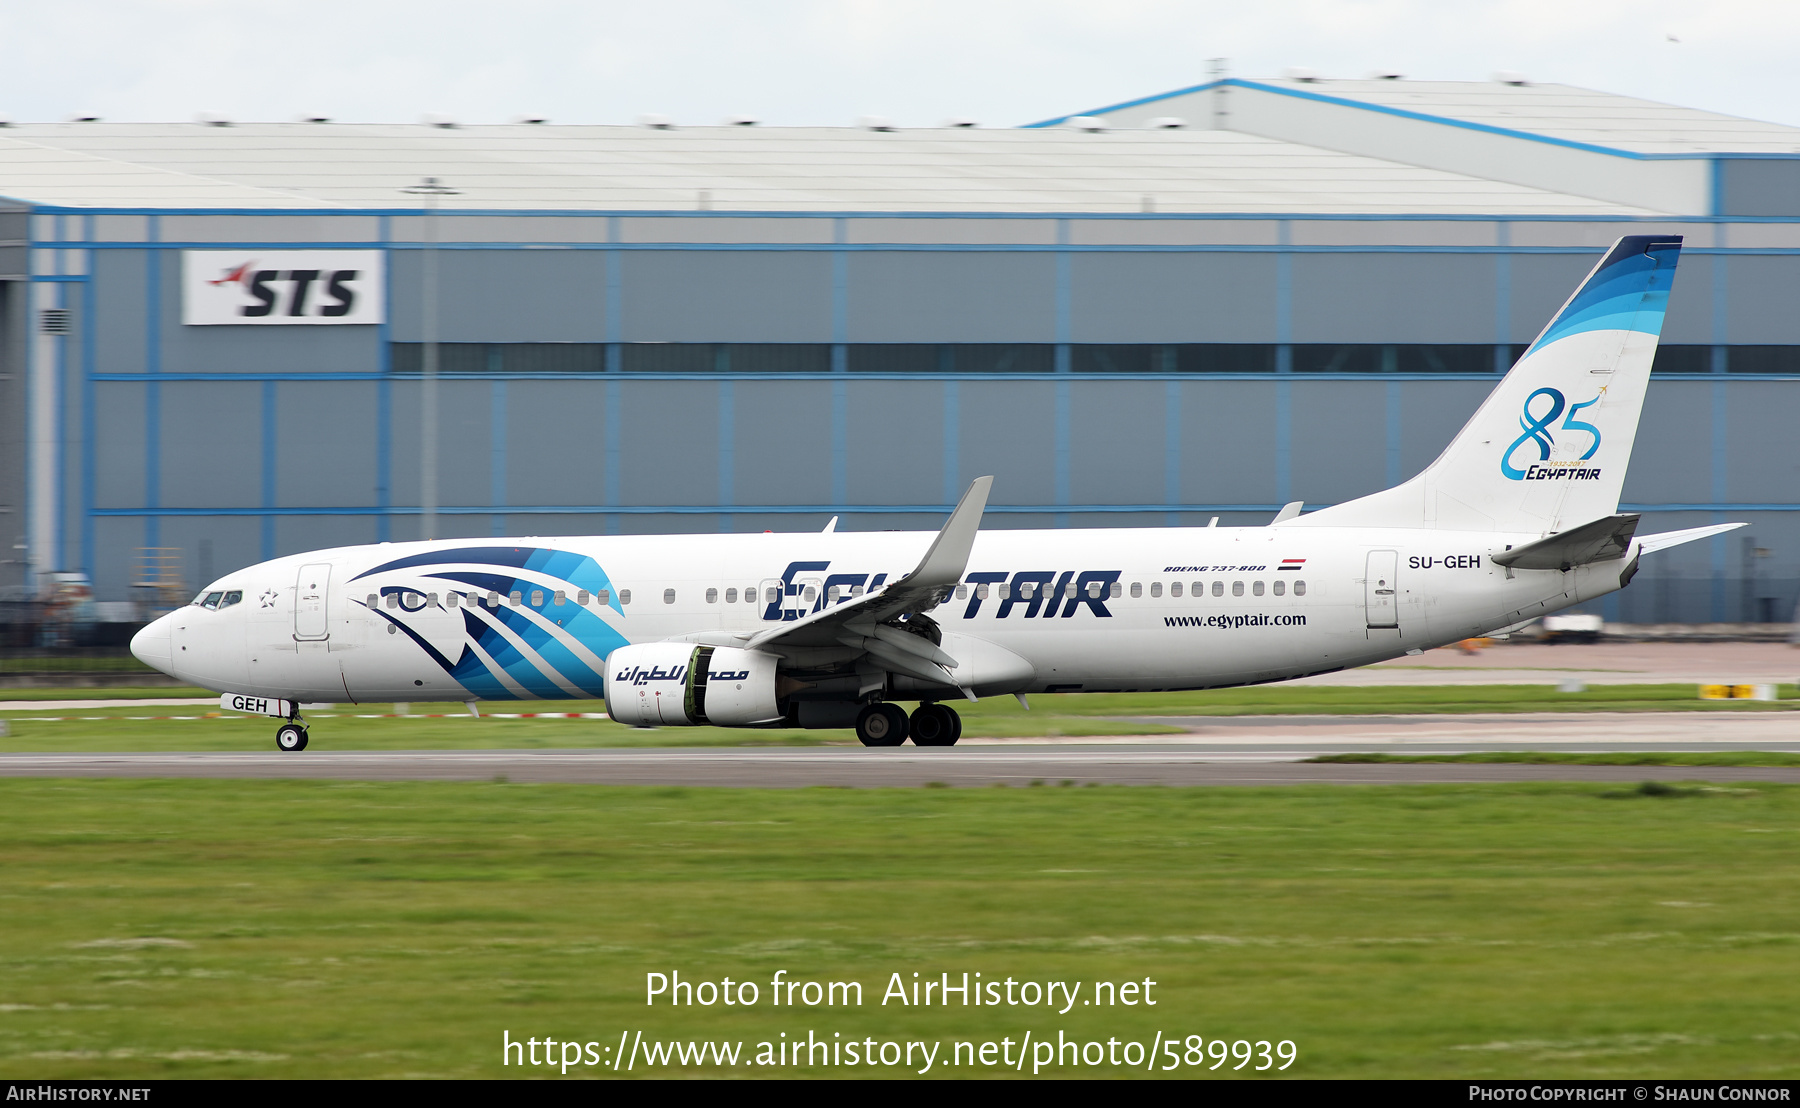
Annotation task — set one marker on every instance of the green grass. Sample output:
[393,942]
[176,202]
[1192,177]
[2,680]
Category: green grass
[107,692]
[1064,715]
[1599,758]
[312,929]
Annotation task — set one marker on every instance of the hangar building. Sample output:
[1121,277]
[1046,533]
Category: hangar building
[1207,303]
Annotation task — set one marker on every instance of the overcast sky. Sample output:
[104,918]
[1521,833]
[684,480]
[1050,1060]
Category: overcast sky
[826,62]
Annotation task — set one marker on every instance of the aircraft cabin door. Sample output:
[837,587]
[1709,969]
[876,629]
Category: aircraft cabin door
[312,591]
[1380,591]
[771,598]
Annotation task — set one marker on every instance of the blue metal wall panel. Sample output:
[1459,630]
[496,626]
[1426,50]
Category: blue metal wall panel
[120,312]
[1117,442]
[1671,462]
[1339,440]
[119,445]
[1431,298]
[326,448]
[1172,297]
[782,437]
[669,444]
[206,429]
[969,296]
[504,295]
[1007,428]
[1762,292]
[1542,282]
[1762,443]
[1228,447]
[895,440]
[726,296]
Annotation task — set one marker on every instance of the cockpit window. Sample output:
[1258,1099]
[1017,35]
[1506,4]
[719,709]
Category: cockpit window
[231,598]
[211,600]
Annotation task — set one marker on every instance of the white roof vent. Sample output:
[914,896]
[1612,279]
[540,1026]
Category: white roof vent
[656,122]
[959,121]
[1385,75]
[86,115]
[531,117]
[1511,77]
[1300,73]
[212,119]
[437,119]
[1166,123]
[1092,124]
[875,123]
[741,121]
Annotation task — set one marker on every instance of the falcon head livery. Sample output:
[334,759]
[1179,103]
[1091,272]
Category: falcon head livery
[1516,519]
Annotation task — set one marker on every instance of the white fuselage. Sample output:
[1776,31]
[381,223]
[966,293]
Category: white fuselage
[1178,608]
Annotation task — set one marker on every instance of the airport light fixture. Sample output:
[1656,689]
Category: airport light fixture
[432,190]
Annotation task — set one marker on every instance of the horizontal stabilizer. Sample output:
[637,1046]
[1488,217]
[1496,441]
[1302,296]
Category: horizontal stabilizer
[1675,538]
[1599,541]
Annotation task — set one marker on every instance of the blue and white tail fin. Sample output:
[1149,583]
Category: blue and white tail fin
[1548,449]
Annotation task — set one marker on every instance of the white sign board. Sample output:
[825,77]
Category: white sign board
[257,705]
[281,287]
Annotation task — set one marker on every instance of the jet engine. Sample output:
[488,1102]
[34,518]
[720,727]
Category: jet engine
[678,684]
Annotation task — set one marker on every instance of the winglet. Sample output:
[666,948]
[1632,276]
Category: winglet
[944,563]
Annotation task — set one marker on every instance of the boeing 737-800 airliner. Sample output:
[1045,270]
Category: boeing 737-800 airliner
[1517,518]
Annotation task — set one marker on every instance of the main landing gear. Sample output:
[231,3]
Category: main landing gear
[291,737]
[888,725]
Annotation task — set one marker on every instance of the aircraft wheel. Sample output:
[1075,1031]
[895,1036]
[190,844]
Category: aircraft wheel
[291,737]
[935,725]
[881,725]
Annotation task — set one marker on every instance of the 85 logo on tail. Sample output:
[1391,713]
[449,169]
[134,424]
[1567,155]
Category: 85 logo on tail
[1538,420]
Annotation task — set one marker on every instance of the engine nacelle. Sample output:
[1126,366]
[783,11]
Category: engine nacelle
[677,684]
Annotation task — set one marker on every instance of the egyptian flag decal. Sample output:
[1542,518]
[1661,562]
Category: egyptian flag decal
[1291,563]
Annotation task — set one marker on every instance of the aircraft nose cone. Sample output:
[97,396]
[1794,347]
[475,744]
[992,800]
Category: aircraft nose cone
[151,646]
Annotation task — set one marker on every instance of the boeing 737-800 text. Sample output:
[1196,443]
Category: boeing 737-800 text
[1517,518]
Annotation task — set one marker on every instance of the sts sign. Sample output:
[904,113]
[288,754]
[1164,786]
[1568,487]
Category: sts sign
[268,287]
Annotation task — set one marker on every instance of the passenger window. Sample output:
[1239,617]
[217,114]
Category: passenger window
[773,595]
[731,596]
[493,599]
[1094,589]
[712,596]
[808,594]
[393,601]
[431,599]
[603,596]
[537,598]
[981,591]
[624,596]
[1299,588]
[1256,588]
[1280,586]
[1174,588]
[962,592]
[561,597]
[518,598]
[1237,588]
[374,601]
[1218,588]
[1004,591]
[452,599]
[668,596]
[1156,588]
[1137,589]
[856,590]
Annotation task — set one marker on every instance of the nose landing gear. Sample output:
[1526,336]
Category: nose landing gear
[291,737]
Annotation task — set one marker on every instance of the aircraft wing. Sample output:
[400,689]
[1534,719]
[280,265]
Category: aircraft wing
[865,622]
